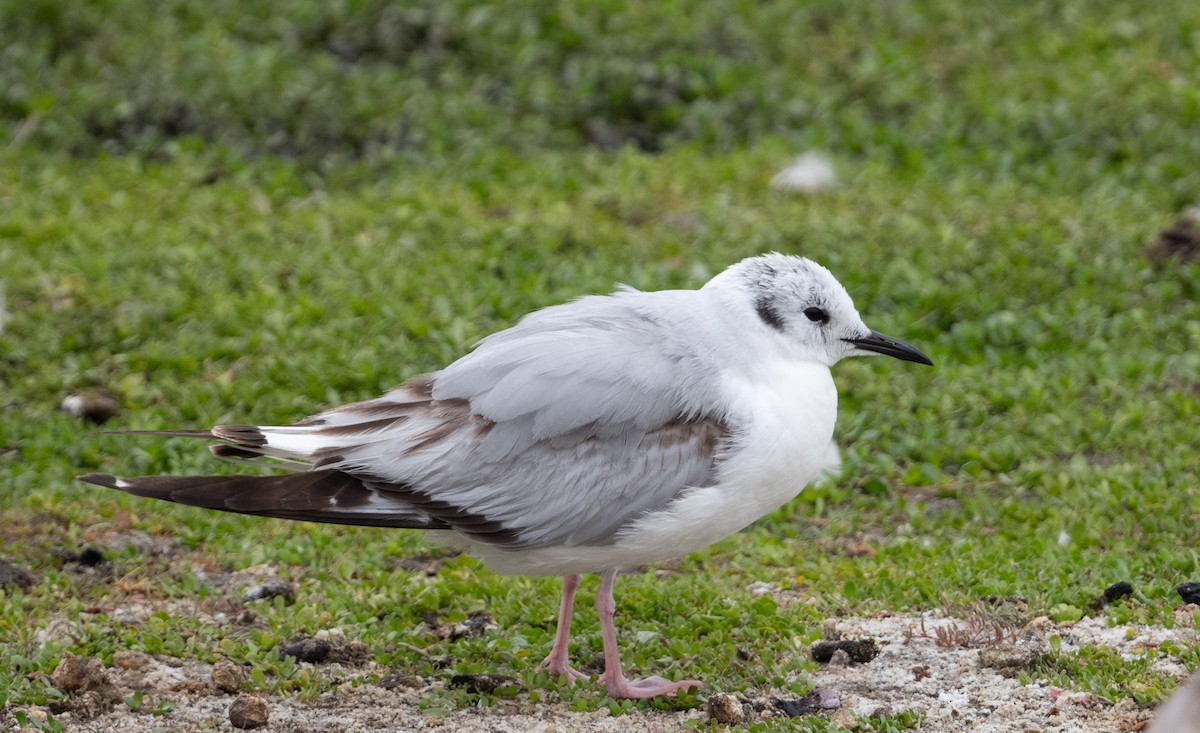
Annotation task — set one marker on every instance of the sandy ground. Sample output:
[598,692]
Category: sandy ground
[956,689]
[910,666]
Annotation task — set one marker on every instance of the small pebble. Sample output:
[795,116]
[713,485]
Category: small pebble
[228,676]
[1189,592]
[1011,661]
[70,674]
[1117,591]
[809,173]
[88,681]
[860,651]
[89,557]
[485,684]
[137,661]
[725,709]
[248,712]
[1181,240]
[349,652]
[95,406]
[15,575]
[308,649]
[829,630]
[402,681]
[74,674]
[93,703]
[818,700]
[270,589]
[477,623]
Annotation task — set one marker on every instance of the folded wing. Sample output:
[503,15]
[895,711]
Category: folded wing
[560,430]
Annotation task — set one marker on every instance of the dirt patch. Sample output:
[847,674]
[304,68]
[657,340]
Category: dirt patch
[1180,241]
[16,576]
[859,651]
[328,645]
[371,707]
[979,689]
[954,689]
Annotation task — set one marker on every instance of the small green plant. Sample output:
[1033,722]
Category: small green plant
[139,702]
[902,721]
[1105,673]
[1065,613]
[32,722]
[981,627]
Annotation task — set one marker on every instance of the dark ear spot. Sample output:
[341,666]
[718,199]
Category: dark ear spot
[766,311]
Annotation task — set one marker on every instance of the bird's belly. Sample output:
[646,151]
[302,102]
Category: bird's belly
[786,428]
[784,446]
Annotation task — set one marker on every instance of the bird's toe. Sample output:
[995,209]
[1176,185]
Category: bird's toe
[647,687]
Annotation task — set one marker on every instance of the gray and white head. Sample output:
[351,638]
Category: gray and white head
[807,310]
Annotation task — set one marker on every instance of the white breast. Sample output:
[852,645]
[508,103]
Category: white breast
[786,415]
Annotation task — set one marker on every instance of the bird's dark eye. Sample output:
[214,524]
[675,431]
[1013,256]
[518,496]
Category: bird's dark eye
[816,315]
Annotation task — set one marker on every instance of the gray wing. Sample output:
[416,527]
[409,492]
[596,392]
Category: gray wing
[558,431]
[564,491]
[603,364]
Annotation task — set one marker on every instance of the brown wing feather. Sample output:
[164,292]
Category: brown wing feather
[162,433]
[326,496]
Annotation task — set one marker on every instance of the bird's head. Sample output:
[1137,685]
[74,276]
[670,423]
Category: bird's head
[803,307]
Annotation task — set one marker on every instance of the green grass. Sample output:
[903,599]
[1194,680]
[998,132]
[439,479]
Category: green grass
[1104,672]
[1003,173]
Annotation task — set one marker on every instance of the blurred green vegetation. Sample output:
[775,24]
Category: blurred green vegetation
[1072,89]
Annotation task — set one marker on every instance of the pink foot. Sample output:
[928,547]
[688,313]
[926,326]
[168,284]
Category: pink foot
[644,688]
[613,679]
[559,667]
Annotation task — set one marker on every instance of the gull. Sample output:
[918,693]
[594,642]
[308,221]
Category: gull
[609,432]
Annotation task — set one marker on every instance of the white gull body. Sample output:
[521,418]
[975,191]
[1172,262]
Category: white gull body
[765,466]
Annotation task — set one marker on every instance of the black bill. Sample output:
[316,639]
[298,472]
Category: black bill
[888,346]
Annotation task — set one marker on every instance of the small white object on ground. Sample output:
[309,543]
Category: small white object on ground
[809,173]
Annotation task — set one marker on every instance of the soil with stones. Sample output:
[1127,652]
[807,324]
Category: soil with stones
[954,689]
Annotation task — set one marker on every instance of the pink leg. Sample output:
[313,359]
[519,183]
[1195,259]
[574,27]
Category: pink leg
[613,679]
[556,662]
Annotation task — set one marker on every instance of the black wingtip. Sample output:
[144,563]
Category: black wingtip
[106,480]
